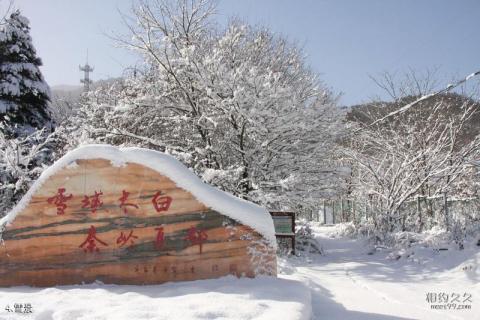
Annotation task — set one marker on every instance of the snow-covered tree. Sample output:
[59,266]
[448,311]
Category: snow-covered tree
[423,153]
[239,106]
[26,144]
[22,160]
[24,95]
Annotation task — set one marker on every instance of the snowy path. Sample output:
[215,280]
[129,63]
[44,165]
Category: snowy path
[347,283]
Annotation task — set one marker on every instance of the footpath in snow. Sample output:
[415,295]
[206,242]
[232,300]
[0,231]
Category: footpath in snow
[347,283]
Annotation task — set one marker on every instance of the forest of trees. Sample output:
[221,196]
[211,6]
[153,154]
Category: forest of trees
[242,108]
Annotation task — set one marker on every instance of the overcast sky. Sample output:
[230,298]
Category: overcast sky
[346,41]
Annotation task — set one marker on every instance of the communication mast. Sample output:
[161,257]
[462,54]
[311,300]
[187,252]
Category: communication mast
[86,79]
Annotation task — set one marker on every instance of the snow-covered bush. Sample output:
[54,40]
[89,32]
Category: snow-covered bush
[305,239]
[344,229]
[409,244]
[436,238]
[22,160]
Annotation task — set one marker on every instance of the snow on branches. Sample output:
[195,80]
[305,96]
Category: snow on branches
[24,95]
[414,156]
[25,124]
[239,106]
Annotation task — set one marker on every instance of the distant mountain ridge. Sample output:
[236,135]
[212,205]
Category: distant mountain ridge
[368,112]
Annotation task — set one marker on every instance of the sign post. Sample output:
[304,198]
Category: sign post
[284,222]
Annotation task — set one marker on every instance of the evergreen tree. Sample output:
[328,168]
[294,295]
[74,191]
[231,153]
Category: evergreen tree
[24,95]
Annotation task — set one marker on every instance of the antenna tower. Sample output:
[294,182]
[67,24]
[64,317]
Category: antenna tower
[86,78]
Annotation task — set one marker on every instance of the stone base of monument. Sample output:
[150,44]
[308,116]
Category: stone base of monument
[130,216]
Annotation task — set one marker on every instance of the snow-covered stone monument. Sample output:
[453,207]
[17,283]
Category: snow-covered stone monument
[130,216]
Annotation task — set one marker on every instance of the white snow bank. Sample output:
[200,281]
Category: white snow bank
[347,283]
[262,298]
[240,210]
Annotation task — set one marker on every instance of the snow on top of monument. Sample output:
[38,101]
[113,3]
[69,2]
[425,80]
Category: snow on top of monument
[240,210]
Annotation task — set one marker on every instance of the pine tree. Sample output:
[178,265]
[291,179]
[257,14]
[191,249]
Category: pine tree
[24,95]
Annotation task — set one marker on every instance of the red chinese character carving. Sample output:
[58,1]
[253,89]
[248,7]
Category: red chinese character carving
[92,202]
[196,236]
[59,200]
[123,201]
[122,239]
[90,242]
[161,203]
[160,238]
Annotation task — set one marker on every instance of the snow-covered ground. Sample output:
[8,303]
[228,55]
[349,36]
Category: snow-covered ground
[347,283]
[226,298]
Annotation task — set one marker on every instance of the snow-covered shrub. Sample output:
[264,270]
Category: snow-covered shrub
[22,160]
[436,238]
[413,245]
[344,229]
[305,239]
[401,243]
